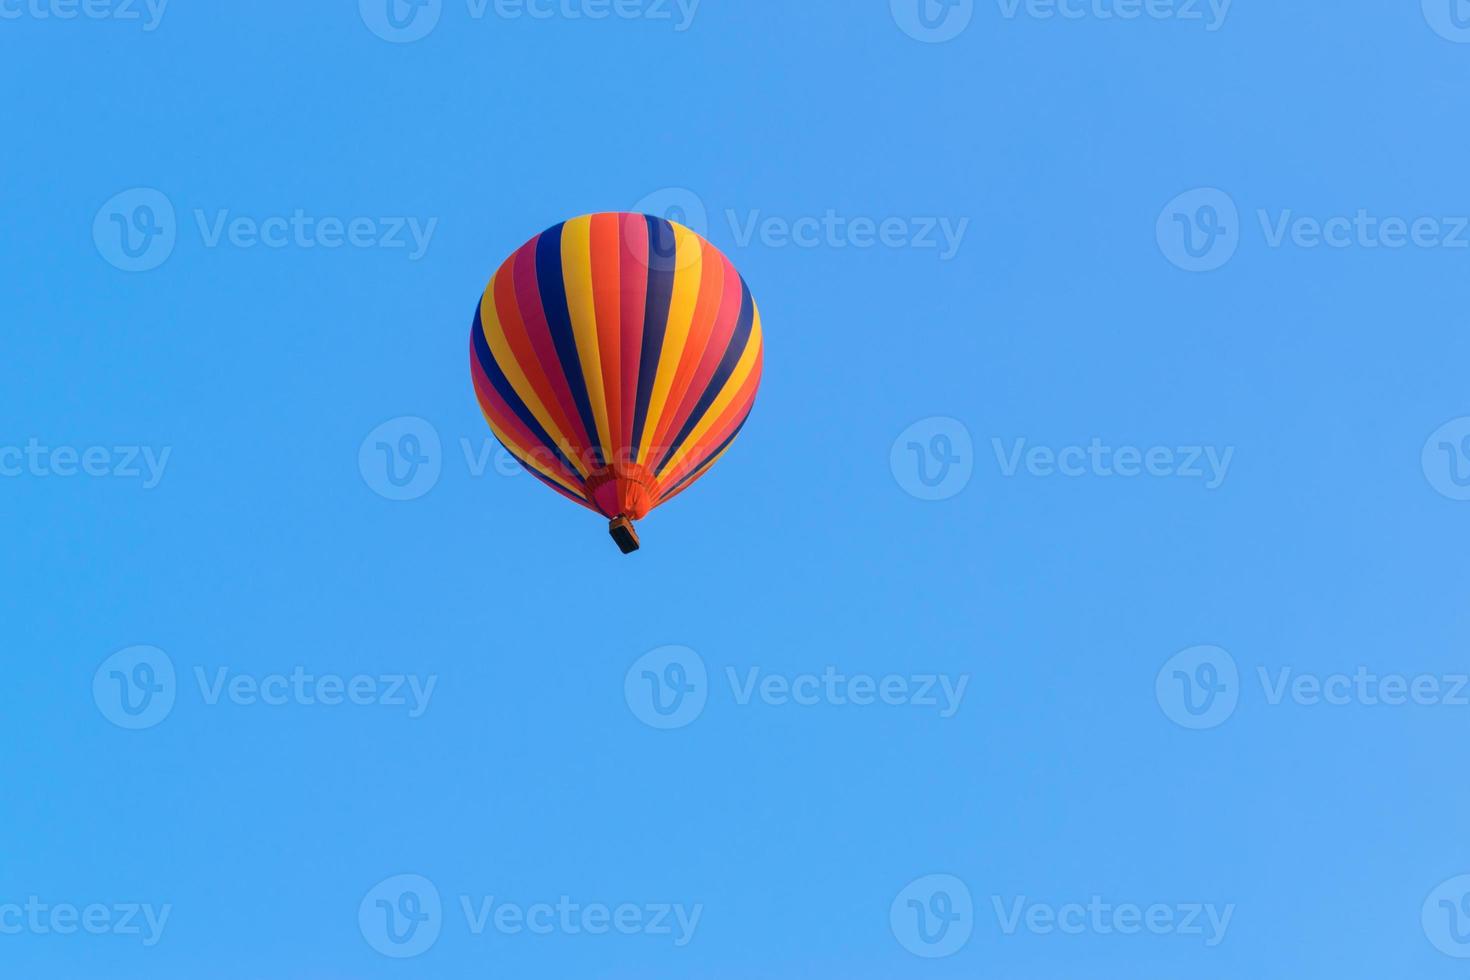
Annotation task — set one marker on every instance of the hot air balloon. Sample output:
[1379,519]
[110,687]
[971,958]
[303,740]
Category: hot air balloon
[617,356]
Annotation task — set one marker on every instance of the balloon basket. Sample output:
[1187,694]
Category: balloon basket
[622,532]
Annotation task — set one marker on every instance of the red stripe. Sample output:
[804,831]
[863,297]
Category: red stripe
[512,326]
[522,443]
[608,306]
[738,408]
[684,395]
[528,300]
[633,279]
[728,317]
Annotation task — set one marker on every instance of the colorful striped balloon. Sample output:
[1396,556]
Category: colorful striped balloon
[617,356]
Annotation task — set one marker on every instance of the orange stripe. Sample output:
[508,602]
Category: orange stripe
[513,327]
[738,408]
[706,312]
[607,300]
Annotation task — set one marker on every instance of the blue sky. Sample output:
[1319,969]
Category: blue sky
[1083,598]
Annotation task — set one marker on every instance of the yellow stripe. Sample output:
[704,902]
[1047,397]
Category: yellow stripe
[537,465]
[743,367]
[687,274]
[576,270]
[500,347]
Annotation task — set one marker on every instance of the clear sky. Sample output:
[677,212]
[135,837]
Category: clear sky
[1085,597]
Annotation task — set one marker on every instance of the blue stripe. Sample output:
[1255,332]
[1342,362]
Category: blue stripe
[546,480]
[505,390]
[559,321]
[738,342]
[695,471]
[661,264]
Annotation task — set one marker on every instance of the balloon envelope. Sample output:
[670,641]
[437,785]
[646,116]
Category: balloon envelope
[617,356]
